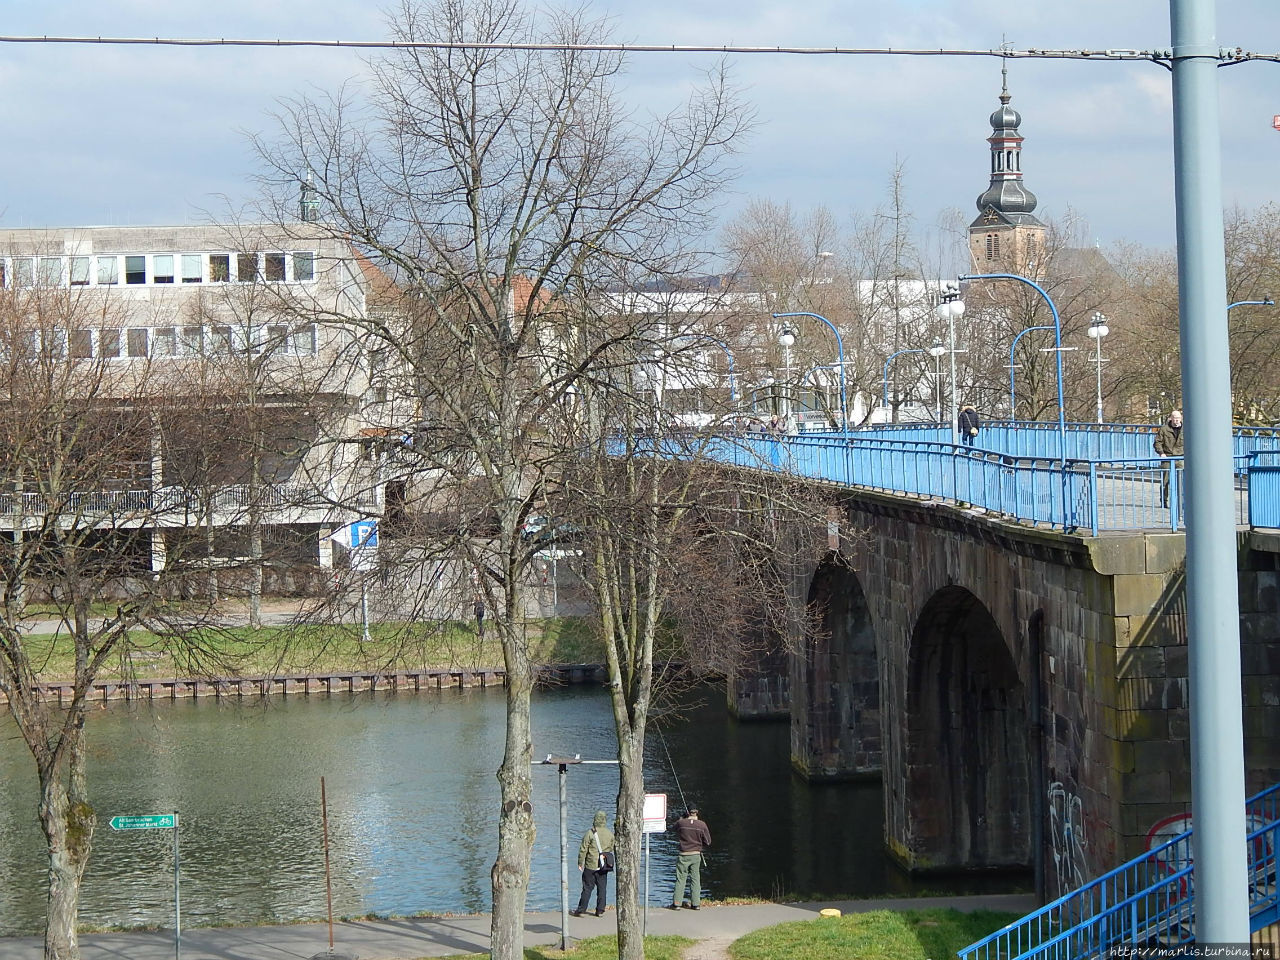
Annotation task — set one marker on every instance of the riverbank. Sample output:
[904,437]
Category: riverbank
[715,926]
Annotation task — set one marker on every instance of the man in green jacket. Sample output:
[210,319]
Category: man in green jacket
[595,860]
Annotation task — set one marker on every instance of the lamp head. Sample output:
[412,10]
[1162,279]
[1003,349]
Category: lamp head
[936,349]
[787,337]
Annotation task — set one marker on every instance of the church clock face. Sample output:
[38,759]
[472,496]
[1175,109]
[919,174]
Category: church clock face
[990,216]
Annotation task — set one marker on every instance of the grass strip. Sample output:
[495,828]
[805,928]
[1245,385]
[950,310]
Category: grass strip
[876,935]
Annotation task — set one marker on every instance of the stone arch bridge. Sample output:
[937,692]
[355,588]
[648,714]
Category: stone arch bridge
[1022,693]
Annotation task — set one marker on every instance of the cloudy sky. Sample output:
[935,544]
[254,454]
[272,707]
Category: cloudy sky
[138,135]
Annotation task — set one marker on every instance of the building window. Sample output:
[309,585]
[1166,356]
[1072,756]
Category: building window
[81,344]
[219,267]
[303,340]
[24,272]
[164,342]
[162,268]
[273,270]
[993,246]
[109,343]
[50,271]
[79,271]
[219,339]
[246,267]
[137,341]
[135,270]
[304,266]
[191,268]
[192,342]
[108,270]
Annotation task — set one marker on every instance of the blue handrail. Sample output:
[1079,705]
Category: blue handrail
[1148,901]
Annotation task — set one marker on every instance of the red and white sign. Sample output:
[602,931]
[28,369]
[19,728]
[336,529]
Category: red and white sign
[1275,121]
[655,813]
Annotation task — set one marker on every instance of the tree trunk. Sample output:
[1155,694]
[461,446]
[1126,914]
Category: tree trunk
[510,874]
[629,843]
[67,820]
[255,575]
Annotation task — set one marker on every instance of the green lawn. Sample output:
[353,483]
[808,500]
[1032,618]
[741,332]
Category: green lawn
[878,935]
[320,649]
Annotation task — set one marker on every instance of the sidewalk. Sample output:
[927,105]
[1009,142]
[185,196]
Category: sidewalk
[401,939]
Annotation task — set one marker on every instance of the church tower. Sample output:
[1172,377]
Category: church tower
[1006,236]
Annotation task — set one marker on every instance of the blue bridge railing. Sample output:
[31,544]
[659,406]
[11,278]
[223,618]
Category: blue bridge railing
[1149,901]
[1015,472]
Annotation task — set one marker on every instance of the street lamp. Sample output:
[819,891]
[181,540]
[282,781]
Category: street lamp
[950,309]
[787,338]
[936,350]
[1057,349]
[1013,409]
[844,397]
[886,377]
[1097,330]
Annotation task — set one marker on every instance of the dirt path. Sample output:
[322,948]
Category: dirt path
[715,948]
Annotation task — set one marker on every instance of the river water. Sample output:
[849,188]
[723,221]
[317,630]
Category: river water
[412,800]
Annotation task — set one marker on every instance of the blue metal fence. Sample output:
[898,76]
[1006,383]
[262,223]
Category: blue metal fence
[1015,474]
[1149,901]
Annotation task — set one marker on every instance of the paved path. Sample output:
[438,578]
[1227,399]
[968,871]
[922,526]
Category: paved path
[402,939]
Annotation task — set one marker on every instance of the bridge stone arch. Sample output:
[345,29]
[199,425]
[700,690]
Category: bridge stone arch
[835,681]
[967,748]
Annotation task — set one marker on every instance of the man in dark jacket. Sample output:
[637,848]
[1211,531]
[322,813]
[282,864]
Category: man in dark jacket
[967,421]
[693,837]
[592,863]
[1168,443]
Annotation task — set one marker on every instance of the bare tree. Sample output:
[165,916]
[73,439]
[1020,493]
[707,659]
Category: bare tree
[497,189]
[85,515]
[688,560]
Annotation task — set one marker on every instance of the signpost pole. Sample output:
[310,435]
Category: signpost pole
[564,856]
[177,897]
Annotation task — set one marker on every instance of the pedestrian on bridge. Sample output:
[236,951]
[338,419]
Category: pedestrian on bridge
[1168,443]
[968,423]
[595,860]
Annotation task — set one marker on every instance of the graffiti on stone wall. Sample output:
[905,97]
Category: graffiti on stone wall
[1066,821]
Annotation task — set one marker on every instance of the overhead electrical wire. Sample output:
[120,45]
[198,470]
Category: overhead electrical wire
[1227,55]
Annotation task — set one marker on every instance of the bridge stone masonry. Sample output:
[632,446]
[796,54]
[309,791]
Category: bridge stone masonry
[1022,693]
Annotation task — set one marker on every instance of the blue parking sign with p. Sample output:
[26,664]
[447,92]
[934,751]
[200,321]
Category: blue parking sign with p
[364,533]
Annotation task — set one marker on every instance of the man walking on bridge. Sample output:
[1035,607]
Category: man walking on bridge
[1168,443]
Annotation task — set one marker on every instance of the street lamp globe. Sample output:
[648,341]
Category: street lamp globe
[787,337]
[1098,325]
[937,349]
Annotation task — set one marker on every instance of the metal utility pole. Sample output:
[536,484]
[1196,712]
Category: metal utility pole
[1213,615]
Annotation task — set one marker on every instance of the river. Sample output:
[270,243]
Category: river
[412,802]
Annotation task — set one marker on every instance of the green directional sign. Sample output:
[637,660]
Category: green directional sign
[163,821]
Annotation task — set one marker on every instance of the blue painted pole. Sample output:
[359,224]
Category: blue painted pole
[1013,408]
[886,376]
[844,398]
[1213,614]
[1057,345]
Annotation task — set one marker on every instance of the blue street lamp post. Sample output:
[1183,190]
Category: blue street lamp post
[1057,347]
[733,389]
[844,399]
[1013,408]
[886,377]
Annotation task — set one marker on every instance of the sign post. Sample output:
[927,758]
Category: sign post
[161,821]
[363,536]
[655,821]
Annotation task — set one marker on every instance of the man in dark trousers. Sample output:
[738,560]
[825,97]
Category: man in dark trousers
[595,860]
[967,421]
[693,837]
[1168,443]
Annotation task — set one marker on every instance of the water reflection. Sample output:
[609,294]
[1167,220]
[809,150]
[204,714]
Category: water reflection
[412,796]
